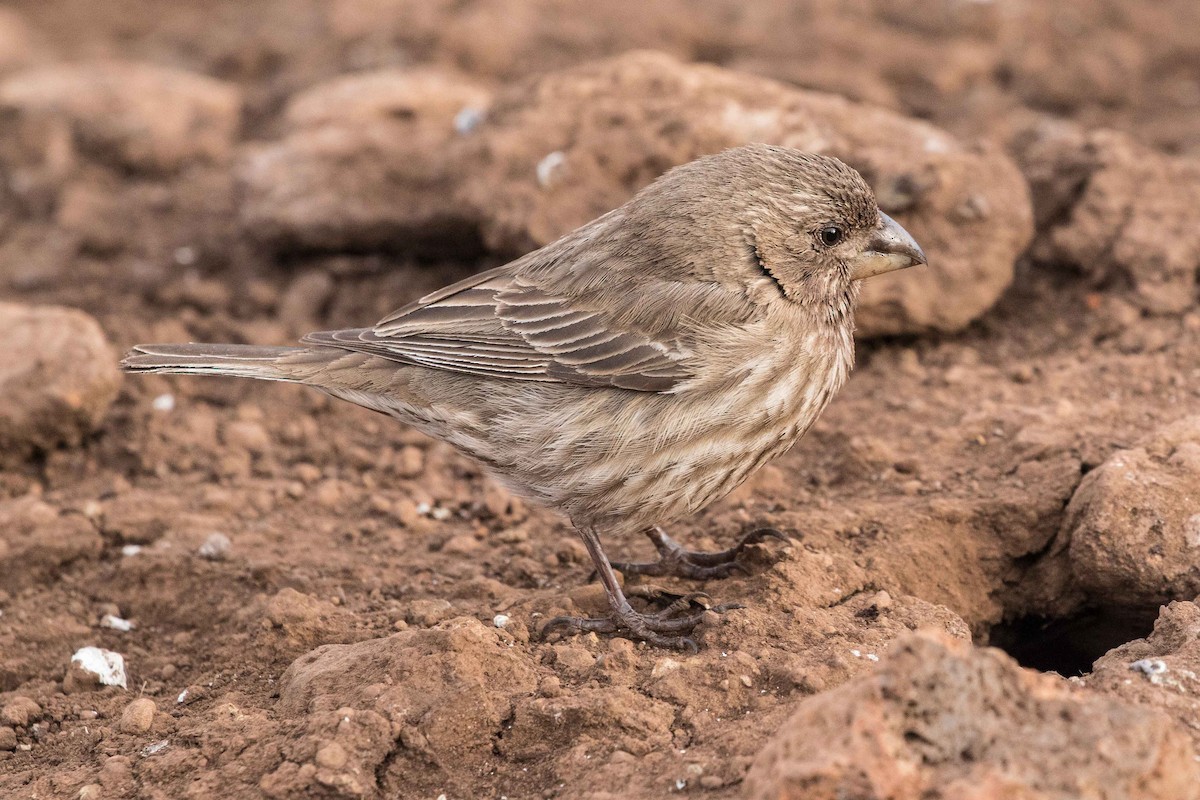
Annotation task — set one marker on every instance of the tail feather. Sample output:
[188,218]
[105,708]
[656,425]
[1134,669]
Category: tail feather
[240,360]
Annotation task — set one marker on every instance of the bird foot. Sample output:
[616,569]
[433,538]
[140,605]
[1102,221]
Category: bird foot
[674,560]
[667,627]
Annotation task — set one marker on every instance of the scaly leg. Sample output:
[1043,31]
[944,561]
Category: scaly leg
[663,629]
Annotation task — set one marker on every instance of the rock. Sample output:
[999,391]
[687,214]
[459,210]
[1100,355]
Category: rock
[428,612]
[93,667]
[8,738]
[1131,534]
[131,115]
[1159,671]
[437,96]
[364,165]
[558,152]
[304,619]
[1090,191]
[939,718]
[432,699]
[37,541]
[138,716]
[19,711]
[58,377]
[244,434]
[215,547]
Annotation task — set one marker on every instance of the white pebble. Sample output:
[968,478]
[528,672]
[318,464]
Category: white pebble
[215,547]
[547,166]
[185,256]
[182,696]
[500,620]
[164,403]
[1149,666]
[116,623]
[468,119]
[106,665]
[157,747]
[131,550]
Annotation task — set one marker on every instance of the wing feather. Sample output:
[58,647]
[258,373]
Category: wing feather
[501,324]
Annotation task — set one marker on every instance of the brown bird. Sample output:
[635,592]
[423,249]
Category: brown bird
[635,370]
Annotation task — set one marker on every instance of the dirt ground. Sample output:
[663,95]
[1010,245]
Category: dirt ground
[321,603]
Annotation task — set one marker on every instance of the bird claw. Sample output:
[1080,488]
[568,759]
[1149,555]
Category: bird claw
[675,560]
[655,628]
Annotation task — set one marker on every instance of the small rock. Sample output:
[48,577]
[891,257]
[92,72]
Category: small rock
[366,163]
[462,544]
[664,666]
[410,461]
[1149,667]
[138,716]
[428,613]
[331,755]
[19,711]
[290,608]
[155,748]
[58,377]
[246,435]
[116,623]
[328,493]
[1128,531]
[215,547]
[92,667]
[8,738]
[142,117]
[574,658]
[407,513]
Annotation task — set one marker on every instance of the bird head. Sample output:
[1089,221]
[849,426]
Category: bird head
[813,226]
[788,225]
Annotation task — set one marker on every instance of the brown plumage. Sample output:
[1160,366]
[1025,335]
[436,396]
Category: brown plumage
[635,370]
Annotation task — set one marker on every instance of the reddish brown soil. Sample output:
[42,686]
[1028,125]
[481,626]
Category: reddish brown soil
[928,495]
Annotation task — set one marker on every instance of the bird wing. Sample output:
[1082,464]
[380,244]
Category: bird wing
[507,323]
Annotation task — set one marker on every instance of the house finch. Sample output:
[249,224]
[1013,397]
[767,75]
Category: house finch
[633,371]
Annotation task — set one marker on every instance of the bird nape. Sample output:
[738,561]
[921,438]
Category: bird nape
[633,371]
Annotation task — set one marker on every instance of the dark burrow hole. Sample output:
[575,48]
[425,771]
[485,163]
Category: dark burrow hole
[1070,645]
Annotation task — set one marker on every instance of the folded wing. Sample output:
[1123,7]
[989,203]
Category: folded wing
[503,325]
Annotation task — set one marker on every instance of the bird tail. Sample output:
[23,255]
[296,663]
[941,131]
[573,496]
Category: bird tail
[239,360]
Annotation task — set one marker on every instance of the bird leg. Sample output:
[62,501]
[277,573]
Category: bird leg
[673,559]
[665,628]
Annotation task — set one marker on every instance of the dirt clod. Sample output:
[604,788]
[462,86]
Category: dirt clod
[939,717]
[57,377]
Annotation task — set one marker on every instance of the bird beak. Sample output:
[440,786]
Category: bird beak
[890,248]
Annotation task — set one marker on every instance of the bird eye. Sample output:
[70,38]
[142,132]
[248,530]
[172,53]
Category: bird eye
[831,235]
